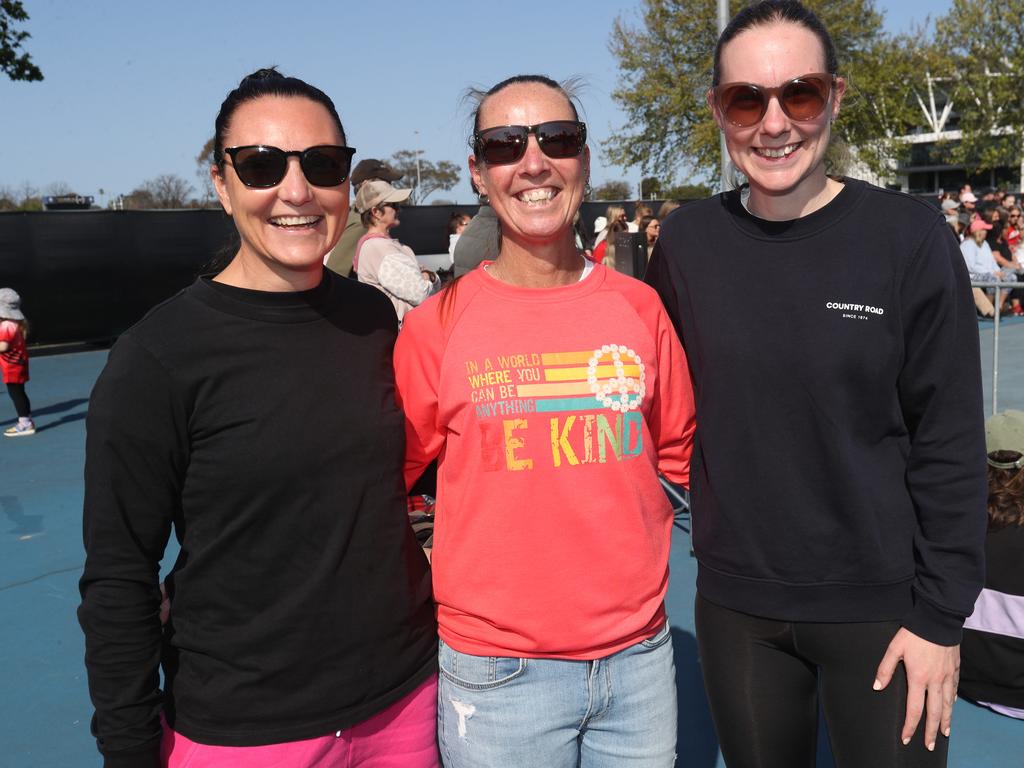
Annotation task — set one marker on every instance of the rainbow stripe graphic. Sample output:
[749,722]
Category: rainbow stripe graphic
[610,377]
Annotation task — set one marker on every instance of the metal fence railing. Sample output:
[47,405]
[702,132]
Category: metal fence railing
[995,333]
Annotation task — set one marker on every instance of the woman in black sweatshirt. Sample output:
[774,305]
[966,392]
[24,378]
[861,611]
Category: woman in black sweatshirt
[254,413]
[838,480]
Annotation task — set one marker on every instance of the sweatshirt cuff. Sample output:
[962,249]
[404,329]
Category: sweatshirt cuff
[145,756]
[935,626]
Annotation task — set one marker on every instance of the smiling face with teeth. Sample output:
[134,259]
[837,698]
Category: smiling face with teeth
[783,159]
[284,230]
[536,197]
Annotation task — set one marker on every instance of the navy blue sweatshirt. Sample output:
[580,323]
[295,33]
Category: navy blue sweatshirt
[839,465]
[263,427]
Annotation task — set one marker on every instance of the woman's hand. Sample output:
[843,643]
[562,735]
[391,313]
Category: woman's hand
[933,672]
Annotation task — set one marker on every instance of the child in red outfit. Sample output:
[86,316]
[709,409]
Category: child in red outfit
[14,361]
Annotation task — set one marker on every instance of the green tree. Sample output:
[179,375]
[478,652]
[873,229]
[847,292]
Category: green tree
[165,191]
[612,190]
[14,62]
[984,45]
[651,188]
[25,198]
[432,176]
[203,162]
[58,188]
[686,192]
[8,201]
[665,65]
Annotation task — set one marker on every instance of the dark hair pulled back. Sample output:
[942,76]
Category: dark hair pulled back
[568,89]
[771,12]
[1005,493]
[262,82]
[266,82]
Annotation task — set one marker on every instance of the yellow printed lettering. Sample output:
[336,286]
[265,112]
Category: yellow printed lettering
[560,442]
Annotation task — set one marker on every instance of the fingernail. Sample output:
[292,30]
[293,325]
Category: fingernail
[931,747]
[906,741]
[877,685]
[946,733]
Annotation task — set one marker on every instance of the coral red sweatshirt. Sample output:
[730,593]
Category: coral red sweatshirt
[552,411]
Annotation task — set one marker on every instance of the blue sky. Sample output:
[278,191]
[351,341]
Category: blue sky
[132,86]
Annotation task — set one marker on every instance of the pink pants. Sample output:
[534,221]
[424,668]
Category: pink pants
[402,736]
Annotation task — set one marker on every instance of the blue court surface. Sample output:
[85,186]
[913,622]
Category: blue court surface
[44,704]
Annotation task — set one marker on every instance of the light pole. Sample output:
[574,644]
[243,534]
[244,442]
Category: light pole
[726,174]
[417,135]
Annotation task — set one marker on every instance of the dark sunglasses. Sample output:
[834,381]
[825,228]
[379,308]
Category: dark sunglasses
[558,139]
[802,98]
[261,167]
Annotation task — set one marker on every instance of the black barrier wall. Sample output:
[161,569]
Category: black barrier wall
[86,276]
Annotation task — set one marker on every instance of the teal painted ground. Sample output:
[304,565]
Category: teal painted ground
[44,703]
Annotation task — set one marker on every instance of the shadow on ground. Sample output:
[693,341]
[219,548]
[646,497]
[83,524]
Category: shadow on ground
[24,525]
[48,410]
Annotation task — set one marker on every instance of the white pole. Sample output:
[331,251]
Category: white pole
[417,134]
[726,175]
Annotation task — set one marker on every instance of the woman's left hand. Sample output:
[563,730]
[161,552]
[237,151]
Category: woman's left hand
[933,672]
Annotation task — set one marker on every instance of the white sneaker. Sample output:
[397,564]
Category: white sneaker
[21,430]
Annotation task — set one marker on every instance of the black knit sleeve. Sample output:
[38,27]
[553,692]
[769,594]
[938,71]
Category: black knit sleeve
[940,396]
[659,277]
[136,450]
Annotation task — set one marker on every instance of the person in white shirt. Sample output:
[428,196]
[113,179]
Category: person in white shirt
[382,261]
[981,265]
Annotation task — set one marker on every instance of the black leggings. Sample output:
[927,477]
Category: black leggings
[20,399]
[764,677]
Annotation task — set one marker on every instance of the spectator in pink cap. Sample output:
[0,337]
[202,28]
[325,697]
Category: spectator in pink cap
[981,265]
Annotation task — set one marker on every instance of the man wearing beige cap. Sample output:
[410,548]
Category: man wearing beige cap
[340,257]
[382,261]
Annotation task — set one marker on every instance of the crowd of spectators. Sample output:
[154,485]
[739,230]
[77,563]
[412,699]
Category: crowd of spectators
[989,231]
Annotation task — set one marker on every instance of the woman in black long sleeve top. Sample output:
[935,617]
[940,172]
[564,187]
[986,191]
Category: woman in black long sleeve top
[254,413]
[838,481]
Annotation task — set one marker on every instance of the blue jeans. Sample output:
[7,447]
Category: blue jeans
[499,712]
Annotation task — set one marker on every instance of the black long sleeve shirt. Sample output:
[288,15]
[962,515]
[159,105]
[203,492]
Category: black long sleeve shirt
[839,462]
[263,428]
